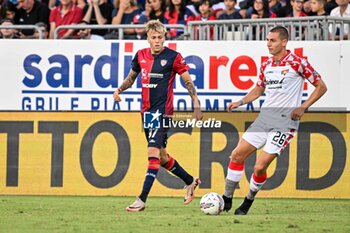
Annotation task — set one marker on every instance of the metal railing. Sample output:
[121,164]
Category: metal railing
[120,28]
[340,23]
[20,27]
[302,28]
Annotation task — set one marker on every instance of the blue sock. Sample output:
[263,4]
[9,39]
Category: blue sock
[151,174]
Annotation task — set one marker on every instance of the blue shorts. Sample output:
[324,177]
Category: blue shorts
[157,137]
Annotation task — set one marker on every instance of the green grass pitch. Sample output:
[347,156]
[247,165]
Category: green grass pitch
[166,215]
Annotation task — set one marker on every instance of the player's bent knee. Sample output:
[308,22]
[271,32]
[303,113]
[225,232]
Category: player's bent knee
[237,157]
[154,152]
[259,169]
[163,159]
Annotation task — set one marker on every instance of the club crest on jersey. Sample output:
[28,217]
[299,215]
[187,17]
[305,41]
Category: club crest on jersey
[284,72]
[163,62]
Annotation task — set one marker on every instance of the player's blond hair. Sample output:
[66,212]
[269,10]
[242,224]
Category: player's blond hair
[155,25]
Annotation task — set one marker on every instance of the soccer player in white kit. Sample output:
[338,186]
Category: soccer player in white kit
[281,78]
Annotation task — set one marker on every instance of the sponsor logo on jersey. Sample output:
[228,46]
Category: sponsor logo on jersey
[149,85]
[155,75]
[274,84]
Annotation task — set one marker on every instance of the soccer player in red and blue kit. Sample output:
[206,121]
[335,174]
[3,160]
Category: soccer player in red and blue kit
[158,66]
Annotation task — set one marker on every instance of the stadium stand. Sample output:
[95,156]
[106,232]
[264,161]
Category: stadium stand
[333,27]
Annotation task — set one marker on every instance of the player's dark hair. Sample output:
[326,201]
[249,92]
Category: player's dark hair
[282,31]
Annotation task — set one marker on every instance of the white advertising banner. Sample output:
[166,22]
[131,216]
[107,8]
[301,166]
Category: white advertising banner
[81,75]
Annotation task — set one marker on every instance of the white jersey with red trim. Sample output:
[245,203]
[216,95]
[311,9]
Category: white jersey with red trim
[284,82]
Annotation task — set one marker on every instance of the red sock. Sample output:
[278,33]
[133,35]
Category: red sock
[235,171]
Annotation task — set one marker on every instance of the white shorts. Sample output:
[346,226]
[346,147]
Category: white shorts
[275,139]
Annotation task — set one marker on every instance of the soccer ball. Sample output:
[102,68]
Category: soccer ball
[212,203]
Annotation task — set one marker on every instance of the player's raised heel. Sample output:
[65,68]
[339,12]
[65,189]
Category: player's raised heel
[228,203]
[137,206]
[190,190]
[244,207]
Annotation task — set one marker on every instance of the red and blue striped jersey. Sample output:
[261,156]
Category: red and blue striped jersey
[157,78]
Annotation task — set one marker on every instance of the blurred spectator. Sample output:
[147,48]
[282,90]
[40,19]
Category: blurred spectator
[218,7]
[31,12]
[261,9]
[54,3]
[246,8]
[86,33]
[141,4]
[177,13]
[65,14]
[80,3]
[124,14]
[343,10]
[44,29]
[98,12]
[140,32]
[192,6]
[330,5]
[317,6]
[274,5]
[230,12]
[158,8]
[294,9]
[8,33]
[205,14]
[307,8]
[8,11]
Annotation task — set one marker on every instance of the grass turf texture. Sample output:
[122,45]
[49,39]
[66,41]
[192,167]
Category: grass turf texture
[107,214]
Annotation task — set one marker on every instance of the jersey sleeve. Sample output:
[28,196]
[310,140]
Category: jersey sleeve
[180,65]
[308,72]
[261,79]
[135,65]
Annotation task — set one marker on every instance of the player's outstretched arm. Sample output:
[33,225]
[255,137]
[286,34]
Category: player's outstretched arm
[320,89]
[130,79]
[255,93]
[193,93]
